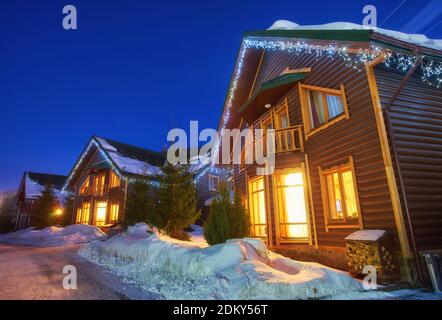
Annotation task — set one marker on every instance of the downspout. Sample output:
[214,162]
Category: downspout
[396,158]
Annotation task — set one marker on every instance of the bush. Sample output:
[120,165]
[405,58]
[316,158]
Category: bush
[226,220]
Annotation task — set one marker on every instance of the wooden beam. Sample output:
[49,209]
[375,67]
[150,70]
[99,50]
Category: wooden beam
[389,170]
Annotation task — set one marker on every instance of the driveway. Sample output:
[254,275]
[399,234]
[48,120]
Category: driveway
[37,273]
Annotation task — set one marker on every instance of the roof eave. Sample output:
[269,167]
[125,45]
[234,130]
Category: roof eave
[337,35]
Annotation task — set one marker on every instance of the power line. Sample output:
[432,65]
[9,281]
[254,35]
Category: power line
[433,27]
[392,13]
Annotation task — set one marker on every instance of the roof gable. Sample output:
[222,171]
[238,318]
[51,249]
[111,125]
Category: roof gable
[33,183]
[126,160]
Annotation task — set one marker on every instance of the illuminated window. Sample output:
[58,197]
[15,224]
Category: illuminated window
[340,195]
[257,207]
[321,107]
[100,213]
[114,180]
[84,189]
[78,217]
[85,212]
[213,183]
[99,187]
[114,212]
[292,206]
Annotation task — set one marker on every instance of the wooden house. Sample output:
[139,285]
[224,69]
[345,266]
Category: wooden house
[357,116]
[101,179]
[31,186]
[208,181]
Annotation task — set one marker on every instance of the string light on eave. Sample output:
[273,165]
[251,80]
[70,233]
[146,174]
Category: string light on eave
[431,70]
[93,143]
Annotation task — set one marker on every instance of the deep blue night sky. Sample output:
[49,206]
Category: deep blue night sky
[134,69]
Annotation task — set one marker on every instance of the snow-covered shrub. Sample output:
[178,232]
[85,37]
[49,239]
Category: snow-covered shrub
[226,220]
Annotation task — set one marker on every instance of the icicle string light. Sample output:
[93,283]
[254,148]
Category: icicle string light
[116,170]
[213,170]
[431,70]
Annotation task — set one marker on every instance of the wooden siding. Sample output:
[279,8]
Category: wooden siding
[416,118]
[202,187]
[356,137]
[113,196]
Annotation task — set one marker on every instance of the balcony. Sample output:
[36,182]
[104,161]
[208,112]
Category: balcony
[100,191]
[285,140]
[96,191]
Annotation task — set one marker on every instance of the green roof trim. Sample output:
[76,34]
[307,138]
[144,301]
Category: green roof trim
[337,35]
[282,80]
[274,83]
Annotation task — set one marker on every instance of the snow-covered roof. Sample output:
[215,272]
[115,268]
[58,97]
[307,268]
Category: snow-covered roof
[415,39]
[199,162]
[132,159]
[127,159]
[34,183]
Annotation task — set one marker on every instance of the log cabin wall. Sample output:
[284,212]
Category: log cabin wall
[203,192]
[416,118]
[356,137]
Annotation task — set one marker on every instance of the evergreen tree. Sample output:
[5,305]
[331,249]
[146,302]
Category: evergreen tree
[139,204]
[7,211]
[226,220]
[66,218]
[176,207]
[45,206]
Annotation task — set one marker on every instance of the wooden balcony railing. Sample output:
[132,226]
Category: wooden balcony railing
[286,140]
[97,191]
[289,139]
[101,190]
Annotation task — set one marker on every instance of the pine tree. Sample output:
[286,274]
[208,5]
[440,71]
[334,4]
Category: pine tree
[66,218]
[45,206]
[226,220]
[139,204]
[176,208]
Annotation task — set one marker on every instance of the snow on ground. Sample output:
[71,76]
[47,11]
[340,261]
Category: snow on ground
[238,269]
[418,39]
[197,235]
[54,236]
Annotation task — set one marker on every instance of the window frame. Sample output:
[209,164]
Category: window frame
[277,197]
[86,205]
[344,223]
[113,177]
[306,111]
[96,206]
[85,186]
[213,188]
[111,212]
[251,204]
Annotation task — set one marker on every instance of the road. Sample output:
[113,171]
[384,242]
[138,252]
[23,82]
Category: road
[37,273]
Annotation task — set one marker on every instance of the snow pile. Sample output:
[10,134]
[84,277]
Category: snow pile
[238,269]
[197,235]
[54,236]
[418,39]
